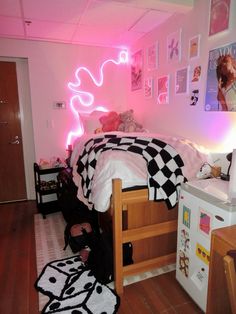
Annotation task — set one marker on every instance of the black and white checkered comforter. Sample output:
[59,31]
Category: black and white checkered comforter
[163,164]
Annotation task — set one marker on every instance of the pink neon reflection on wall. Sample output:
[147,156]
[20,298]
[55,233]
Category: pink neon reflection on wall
[83,102]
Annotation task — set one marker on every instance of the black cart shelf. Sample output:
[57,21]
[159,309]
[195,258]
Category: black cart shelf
[46,187]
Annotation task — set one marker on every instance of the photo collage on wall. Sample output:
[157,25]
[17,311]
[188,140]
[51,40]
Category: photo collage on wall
[220,91]
[159,86]
[221,78]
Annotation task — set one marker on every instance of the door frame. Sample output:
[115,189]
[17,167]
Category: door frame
[22,73]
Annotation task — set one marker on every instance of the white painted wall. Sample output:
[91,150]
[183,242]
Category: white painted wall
[213,129]
[44,70]
[51,67]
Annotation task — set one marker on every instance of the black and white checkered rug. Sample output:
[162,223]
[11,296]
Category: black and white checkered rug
[72,289]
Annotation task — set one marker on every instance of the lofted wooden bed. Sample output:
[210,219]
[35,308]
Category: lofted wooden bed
[149,225]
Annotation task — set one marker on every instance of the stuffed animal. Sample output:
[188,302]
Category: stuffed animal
[110,122]
[128,123]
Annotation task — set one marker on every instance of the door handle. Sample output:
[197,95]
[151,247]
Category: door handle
[15,141]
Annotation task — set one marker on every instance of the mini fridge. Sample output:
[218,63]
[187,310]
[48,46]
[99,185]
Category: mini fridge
[203,206]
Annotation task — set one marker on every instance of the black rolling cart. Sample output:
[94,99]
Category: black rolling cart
[45,187]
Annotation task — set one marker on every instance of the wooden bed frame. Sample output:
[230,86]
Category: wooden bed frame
[149,225]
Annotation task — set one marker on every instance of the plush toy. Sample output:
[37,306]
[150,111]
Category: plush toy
[110,122]
[128,123]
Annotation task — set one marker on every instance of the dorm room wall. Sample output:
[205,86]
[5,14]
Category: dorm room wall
[215,130]
[51,67]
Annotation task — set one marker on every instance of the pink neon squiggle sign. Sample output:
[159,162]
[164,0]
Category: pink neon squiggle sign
[83,102]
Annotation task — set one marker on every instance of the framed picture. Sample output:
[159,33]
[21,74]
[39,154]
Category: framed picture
[196,74]
[181,81]
[219,16]
[163,84]
[148,87]
[194,47]
[221,81]
[152,57]
[174,47]
[136,70]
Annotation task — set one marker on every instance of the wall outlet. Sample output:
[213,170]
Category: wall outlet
[59,105]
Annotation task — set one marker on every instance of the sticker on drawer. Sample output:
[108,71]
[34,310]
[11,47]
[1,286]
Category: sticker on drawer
[205,220]
[203,253]
[200,277]
[184,240]
[183,261]
[186,216]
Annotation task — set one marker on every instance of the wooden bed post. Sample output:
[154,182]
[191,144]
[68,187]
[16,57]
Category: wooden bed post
[117,235]
[161,224]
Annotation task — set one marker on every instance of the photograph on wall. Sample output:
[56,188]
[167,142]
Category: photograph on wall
[163,89]
[152,56]
[181,81]
[136,70]
[148,87]
[221,79]
[174,47]
[194,47]
[219,16]
[196,73]
[194,97]
[194,86]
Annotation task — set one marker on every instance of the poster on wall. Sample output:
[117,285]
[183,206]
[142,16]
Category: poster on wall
[196,73]
[163,90]
[194,87]
[148,86]
[136,70]
[194,47]
[181,81]
[221,79]
[152,56]
[219,16]
[174,47]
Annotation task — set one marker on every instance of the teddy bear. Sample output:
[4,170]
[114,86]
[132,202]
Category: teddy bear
[128,123]
[110,122]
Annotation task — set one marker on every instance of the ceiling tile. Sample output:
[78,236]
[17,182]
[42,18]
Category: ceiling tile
[110,15]
[50,30]
[10,26]
[67,11]
[10,8]
[95,22]
[150,20]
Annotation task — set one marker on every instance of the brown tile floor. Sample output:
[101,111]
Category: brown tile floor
[161,294]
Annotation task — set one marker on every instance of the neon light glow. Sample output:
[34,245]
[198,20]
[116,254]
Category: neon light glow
[229,142]
[83,102]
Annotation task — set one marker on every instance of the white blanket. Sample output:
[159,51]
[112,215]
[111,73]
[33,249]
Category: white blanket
[131,168]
